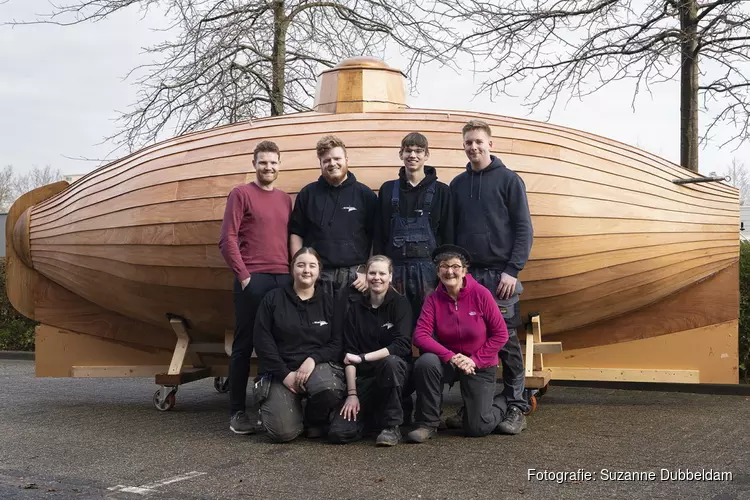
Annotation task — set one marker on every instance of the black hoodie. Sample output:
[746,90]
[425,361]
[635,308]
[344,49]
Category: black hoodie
[288,330]
[389,325]
[492,217]
[411,198]
[335,220]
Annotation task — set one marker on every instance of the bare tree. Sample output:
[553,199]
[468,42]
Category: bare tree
[740,179]
[579,46]
[13,185]
[7,188]
[240,59]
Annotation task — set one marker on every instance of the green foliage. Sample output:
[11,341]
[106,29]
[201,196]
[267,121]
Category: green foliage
[744,332]
[16,331]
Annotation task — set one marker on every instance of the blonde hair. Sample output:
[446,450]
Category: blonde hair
[476,125]
[379,258]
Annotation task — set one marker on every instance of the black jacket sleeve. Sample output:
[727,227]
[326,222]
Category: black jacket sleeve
[265,345]
[297,220]
[518,208]
[371,203]
[381,230]
[402,321]
[446,230]
[332,350]
[350,333]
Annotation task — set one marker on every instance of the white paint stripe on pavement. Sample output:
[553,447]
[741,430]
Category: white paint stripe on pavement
[147,488]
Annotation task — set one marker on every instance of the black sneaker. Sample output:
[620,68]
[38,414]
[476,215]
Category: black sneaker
[455,421]
[513,423]
[421,434]
[240,423]
[390,436]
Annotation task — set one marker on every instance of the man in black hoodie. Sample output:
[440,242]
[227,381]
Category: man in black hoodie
[415,216]
[335,216]
[494,224]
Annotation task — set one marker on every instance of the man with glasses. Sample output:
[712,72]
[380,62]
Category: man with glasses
[494,224]
[414,217]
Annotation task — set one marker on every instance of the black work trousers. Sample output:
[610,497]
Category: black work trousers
[483,410]
[246,303]
[379,393]
[282,413]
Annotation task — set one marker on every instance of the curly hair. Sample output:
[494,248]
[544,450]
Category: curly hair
[327,143]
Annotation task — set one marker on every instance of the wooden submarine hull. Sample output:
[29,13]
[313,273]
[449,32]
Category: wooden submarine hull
[630,271]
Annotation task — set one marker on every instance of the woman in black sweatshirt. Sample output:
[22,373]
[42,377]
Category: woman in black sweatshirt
[377,343]
[296,346]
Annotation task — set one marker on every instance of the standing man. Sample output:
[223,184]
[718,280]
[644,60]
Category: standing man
[494,224]
[335,216]
[255,246]
[415,216]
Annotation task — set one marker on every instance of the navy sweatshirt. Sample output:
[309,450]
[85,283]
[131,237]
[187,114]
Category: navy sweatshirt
[411,198]
[288,330]
[492,217]
[389,325]
[336,221]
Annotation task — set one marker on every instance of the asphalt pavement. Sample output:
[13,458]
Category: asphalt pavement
[103,438]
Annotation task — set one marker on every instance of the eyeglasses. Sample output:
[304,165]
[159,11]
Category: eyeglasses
[418,151]
[455,267]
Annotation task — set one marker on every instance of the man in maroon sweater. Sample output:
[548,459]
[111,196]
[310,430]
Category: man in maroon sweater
[254,243]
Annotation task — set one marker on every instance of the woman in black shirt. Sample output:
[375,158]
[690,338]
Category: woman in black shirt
[296,344]
[377,343]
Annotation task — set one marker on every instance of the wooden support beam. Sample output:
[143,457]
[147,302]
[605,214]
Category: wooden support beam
[117,371]
[625,375]
[547,347]
[180,350]
[228,341]
[538,379]
[187,375]
[529,354]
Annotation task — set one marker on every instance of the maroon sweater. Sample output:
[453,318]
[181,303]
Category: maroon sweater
[254,231]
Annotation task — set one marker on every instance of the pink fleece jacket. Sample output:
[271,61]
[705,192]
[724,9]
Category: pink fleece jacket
[471,325]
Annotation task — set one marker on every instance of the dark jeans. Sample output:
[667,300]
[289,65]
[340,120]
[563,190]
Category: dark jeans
[514,379]
[246,304]
[282,414]
[379,392]
[483,410]
[415,279]
[333,279]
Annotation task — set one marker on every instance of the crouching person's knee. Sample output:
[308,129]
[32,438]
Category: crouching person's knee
[280,431]
[344,431]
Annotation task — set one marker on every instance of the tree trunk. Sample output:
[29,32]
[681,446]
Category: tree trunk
[278,59]
[689,136]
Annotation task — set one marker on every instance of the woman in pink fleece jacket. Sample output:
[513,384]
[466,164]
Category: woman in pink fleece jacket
[459,332]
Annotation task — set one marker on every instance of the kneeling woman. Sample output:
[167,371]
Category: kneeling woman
[459,332]
[377,343]
[296,343]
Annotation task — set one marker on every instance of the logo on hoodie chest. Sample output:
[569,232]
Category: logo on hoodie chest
[320,323]
[387,326]
[349,209]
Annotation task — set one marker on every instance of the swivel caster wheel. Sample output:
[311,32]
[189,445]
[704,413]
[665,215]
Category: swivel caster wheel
[165,398]
[543,391]
[221,384]
[532,405]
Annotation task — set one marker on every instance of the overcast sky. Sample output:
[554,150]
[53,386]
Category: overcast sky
[62,87]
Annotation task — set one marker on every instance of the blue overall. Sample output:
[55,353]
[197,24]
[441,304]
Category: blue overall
[412,243]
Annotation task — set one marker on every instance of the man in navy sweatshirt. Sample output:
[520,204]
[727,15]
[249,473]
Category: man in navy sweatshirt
[335,216]
[494,224]
[254,244]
